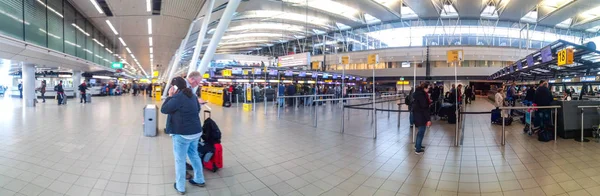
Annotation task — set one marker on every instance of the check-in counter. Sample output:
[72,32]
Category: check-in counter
[213,95]
[569,118]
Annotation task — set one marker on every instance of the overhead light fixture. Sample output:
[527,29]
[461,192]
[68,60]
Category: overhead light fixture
[80,29]
[148,6]
[150,41]
[122,42]
[101,77]
[50,8]
[151,56]
[88,51]
[97,6]
[108,50]
[112,27]
[128,50]
[149,26]
[95,40]
[151,50]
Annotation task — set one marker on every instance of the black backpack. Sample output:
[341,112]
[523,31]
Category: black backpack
[211,134]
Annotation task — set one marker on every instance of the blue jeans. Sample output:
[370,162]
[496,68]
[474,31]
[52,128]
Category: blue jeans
[183,148]
[280,102]
[420,136]
[411,118]
[542,117]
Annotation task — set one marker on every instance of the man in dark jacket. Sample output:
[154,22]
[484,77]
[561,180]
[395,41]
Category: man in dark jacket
[60,92]
[20,90]
[530,94]
[543,97]
[422,118]
[82,89]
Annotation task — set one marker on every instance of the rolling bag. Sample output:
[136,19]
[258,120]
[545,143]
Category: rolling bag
[216,161]
[212,134]
[496,113]
[88,97]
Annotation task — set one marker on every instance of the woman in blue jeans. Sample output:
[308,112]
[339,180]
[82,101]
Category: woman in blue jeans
[183,123]
[422,118]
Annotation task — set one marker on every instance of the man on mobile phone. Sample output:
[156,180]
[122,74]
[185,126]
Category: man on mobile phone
[193,80]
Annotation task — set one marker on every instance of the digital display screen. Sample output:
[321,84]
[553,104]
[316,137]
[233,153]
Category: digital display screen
[236,71]
[335,76]
[273,72]
[302,74]
[530,60]
[365,79]
[315,74]
[93,81]
[519,65]
[546,54]
[512,69]
[257,71]
[325,75]
[288,73]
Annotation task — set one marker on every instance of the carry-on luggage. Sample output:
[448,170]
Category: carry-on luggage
[211,135]
[88,97]
[64,98]
[546,134]
[216,161]
[496,114]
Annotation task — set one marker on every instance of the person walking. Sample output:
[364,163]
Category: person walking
[20,86]
[60,93]
[82,89]
[183,123]
[43,91]
[422,118]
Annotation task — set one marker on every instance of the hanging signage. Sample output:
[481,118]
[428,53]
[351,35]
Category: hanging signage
[257,71]
[325,75]
[155,74]
[512,68]
[529,60]
[288,73]
[565,57]
[302,74]
[315,65]
[588,79]
[566,80]
[345,60]
[519,65]
[454,55]
[116,65]
[236,71]
[226,72]
[273,72]
[315,74]
[301,59]
[373,59]
[546,54]
[402,82]
[206,76]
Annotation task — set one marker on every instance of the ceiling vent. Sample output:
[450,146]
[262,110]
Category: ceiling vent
[104,6]
[156,7]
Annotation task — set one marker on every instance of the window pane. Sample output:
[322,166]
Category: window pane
[89,43]
[55,25]
[35,14]
[80,37]
[11,18]
[70,34]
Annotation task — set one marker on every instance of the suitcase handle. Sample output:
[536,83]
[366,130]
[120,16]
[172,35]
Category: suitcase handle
[207,111]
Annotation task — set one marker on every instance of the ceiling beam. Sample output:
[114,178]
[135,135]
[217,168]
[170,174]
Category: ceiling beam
[516,9]
[423,8]
[548,16]
[469,9]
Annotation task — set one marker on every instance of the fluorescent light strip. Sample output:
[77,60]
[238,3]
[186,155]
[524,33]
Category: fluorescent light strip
[13,17]
[151,56]
[95,40]
[149,26]
[88,51]
[50,8]
[128,50]
[98,56]
[107,60]
[148,6]
[108,50]
[80,29]
[97,6]
[73,44]
[50,34]
[112,27]
[150,41]
[122,42]
[151,50]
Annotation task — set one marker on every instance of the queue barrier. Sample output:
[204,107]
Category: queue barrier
[374,110]
[283,98]
[213,95]
[582,108]
[527,108]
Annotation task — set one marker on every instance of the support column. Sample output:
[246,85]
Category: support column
[219,31]
[201,35]
[28,71]
[177,58]
[76,82]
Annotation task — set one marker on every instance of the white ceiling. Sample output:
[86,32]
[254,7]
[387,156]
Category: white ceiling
[130,19]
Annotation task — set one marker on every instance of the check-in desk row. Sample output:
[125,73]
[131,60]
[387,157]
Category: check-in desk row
[213,95]
[569,118]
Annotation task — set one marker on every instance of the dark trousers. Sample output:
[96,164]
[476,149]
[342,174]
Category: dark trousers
[21,94]
[43,97]
[82,99]
[60,97]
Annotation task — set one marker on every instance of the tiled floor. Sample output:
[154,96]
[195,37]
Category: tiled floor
[98,149]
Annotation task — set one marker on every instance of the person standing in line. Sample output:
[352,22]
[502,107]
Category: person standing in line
[135,88]
[60,92]
[43,91]
[422,118]
[20,86]
[280,93]
[183,123]
[82,89]
[543,97]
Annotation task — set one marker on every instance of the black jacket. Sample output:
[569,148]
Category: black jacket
[211,134]
[543,96]
[530,96]
[420,108]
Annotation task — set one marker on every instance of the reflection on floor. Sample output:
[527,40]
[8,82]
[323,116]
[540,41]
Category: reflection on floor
[98,149]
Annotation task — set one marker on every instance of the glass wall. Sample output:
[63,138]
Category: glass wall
[56,25]
[389,65]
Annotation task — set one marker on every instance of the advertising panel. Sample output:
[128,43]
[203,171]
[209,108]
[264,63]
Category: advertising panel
[301,59]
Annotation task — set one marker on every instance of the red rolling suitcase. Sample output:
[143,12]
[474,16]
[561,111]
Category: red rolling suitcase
[216,161]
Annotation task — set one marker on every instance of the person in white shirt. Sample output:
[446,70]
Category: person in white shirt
[499,101]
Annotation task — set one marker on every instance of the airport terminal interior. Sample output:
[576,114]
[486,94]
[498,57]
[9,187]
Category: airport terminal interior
[299,97]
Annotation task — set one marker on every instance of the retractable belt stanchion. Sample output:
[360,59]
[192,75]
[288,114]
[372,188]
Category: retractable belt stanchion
[503,140]
[582,139]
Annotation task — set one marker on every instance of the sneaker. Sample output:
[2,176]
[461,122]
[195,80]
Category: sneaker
[422,147]
[419,151]
[179,192]
[197,184]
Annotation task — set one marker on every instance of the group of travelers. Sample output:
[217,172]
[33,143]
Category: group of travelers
[539,95]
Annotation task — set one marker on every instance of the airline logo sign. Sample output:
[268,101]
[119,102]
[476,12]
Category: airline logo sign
[454,55]
[316,65]
[301,59]
[155,74]
[565,57]
[226,72]
[373,59]
[345,60]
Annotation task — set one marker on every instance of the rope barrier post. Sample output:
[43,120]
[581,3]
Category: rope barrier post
[343,117]
[503,132]
[581,125]
[315,124]
[265,100]
[388,110]
[399,113]
[237,100]
[556,124]
[375,121]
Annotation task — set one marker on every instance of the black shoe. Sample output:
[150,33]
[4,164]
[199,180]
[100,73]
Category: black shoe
[422,147]
[419,151]
[197,184]
[175,187]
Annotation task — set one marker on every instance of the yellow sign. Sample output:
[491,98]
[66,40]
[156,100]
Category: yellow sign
[328,80]
[248,94]
[454,55]
[403,82]
[206,76]
[315,65]
[266,71]
[226,72]
[247,107]
[373,59]
[154,80]
[245,72]
[345,60]
[155,74]
[157,92]
[565,57]
[144,80]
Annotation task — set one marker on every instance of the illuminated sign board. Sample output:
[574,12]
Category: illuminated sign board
[325,75]
[519,65]
[236,71]
[530,60]
[288,73]
[117,65]
[302,74]
[301,59]
[257,71]
[546,54]
[273,72]
[315,74]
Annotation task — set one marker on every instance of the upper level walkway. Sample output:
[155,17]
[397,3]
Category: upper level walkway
[98,149]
